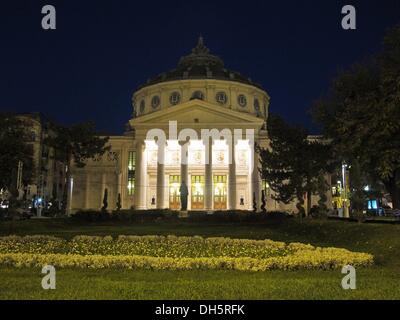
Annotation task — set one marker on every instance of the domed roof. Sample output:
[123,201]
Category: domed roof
[200,64]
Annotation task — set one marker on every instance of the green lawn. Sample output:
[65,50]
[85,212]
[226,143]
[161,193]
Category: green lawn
[379,282]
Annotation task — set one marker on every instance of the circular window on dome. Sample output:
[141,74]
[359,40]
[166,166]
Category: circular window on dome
[142,106]
[221,97]
[175,98]
[242,100]
[198,95]
[155,102]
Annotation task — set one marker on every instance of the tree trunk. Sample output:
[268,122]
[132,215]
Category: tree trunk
[299,205]
[309,195]
[393,187]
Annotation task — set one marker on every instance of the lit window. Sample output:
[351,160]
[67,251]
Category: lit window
[131,172]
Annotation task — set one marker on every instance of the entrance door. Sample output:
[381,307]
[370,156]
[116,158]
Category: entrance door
[174,194]
[220,192]
[197,200]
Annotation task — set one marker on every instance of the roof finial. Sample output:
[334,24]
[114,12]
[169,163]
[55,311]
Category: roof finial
[200,48]
[200,41]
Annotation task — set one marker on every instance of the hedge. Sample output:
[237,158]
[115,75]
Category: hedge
[157,246]
[324,259]
[171,252]
[154,215]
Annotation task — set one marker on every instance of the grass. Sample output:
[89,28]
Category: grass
[378,282]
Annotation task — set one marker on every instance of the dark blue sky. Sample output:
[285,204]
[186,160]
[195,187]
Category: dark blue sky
[89,67]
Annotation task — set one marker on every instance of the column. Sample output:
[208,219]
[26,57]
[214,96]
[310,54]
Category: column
[103,187]
[87,193]
[255,177]
[184,162]
[208,195]
[232,176]
[160,174]
[119,186]
[140,177]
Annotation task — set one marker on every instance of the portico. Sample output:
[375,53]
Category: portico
[217,167]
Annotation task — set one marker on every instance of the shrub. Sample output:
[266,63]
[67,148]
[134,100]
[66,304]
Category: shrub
[308,259]
[175,253]
[234,216]
[318,212]
[123,215]
[33,244]
[237,216]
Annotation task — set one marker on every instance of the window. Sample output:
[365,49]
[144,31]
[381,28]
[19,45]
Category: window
[197,95]
[142,106]
[242,101]
[33,136]
[174,192]
[155,102]
[197,192]
[175,98]
[257,107]
[131,172]
[221,97]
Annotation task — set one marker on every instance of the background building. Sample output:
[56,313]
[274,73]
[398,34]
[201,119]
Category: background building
[48,177]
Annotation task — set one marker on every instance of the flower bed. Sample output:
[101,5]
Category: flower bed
[173,253]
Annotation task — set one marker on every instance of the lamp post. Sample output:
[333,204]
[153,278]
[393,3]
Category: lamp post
[345,195]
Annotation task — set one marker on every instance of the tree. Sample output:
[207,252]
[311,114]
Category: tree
[119,205]
[15,147]
[263,201]
[254,202]
[357,195]
[361,114]
[105,200]
[293,164]
[322,189]
[73,146]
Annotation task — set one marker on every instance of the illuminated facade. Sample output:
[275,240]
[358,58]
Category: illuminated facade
[200,94]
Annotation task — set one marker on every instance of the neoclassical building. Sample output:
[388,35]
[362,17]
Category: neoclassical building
[210,117]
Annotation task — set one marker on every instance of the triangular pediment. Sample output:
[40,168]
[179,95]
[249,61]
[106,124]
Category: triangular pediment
[198,113]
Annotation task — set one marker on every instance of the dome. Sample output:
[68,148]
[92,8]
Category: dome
[200,64]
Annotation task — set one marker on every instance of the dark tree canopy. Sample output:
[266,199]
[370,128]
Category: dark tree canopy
[77,143]
[293,165]
[361,114]
[14,147]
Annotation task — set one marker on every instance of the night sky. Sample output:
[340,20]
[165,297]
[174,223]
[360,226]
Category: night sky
[102,51]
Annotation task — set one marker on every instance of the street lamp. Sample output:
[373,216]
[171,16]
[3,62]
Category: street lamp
[345,196]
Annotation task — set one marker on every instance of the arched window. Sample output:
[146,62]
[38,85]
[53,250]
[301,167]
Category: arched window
[175,98]
[155,102]
[197,95]
[221,97]
[242,101]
